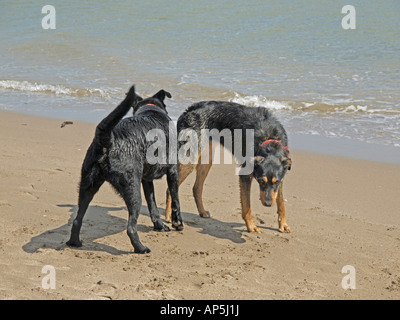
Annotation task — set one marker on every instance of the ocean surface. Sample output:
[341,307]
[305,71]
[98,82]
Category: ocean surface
[294,57]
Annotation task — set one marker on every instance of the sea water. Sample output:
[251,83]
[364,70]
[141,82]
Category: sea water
[321,80]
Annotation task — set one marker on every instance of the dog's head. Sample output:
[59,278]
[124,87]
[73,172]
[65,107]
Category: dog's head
[269,170]
[157,101]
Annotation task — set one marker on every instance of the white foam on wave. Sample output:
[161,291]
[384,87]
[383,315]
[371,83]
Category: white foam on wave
[344,109]
[351,109]
[260,101]
[27,86]
[365,109]
[33,87]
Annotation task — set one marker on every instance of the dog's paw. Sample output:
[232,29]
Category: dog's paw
[177,225]
[205,214]
[161,227]
[76,244]
[142,250]
[285,228]
[254,228]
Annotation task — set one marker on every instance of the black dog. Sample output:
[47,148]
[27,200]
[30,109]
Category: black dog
[118,155]
[271,154]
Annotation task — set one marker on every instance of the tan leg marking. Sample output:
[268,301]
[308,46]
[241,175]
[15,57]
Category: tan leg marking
[283,226]
[245,185]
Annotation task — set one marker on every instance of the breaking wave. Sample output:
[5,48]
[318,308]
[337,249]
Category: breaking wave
[310,107]
[27,86]
[260,101]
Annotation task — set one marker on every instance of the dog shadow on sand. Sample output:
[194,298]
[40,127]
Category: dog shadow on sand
[99,222]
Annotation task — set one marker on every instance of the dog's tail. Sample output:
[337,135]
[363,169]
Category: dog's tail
[104,128]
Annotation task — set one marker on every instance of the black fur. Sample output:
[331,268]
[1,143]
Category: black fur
[118,155]
[229,115]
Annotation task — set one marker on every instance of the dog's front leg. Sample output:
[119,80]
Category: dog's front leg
[132,231]
[245,186]
[133,202]
[173,186]
[148,188]
[283,226]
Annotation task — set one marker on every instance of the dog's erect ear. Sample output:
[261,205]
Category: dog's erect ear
[132,94]
[131,91]
[286,162]
[160,95]
[138,98]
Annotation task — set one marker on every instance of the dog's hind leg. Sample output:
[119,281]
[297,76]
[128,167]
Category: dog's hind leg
[183,172]
[148,188]
[202,171]
[283,226]
[87,190]
[245,186]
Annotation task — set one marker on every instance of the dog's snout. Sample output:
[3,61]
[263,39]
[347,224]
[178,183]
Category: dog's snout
[268,203]
[268,198]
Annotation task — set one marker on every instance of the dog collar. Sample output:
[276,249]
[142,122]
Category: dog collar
[267,142]
[150,104]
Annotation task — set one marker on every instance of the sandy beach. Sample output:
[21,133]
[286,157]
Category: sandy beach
[342,212]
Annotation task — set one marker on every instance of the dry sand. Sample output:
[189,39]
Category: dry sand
[341,211]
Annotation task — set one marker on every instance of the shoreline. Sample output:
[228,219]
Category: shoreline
[339,147]
[346,148]
[342,212]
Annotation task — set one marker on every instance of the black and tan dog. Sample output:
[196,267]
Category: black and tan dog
[270,154]
[118,155]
